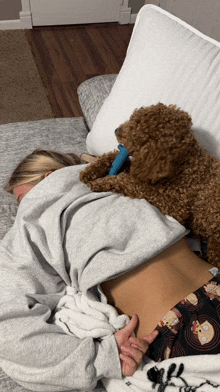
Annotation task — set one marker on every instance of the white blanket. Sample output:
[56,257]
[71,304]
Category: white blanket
[78,314]
[183,374]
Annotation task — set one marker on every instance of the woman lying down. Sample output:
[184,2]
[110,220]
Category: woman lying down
[93,283]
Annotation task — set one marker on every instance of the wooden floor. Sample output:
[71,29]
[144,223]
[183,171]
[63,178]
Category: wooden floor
[67,56]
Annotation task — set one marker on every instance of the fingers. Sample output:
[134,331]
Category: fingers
[130,327]
[133,349]
[138,347]
[129,366]
[139,344]
[151,337]
[123,335]
[134,353]
[143,344]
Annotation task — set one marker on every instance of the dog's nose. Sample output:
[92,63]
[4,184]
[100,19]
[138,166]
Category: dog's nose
[116,131]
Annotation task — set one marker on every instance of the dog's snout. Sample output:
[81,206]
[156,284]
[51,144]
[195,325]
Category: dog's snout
[116,131]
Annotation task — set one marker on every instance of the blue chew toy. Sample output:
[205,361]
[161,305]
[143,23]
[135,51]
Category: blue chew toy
[119,161]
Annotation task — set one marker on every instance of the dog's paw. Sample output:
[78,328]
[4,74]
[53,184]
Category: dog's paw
[98,169]
[88,174]
[100,185]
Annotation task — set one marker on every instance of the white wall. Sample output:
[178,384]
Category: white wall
[9,9]
[204,15]
[136,5]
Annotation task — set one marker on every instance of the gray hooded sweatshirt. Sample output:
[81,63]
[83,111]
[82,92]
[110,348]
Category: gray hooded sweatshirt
[65,235]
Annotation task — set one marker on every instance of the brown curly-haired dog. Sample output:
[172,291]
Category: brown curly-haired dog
[168,168]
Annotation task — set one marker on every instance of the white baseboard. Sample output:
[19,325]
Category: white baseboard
[25,21]
[125,15]
[10,24]
[133,18]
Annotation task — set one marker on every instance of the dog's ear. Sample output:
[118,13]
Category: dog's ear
[152,165]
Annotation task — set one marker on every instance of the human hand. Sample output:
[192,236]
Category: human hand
[132,349]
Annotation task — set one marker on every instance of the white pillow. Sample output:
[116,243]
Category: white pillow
[167,61]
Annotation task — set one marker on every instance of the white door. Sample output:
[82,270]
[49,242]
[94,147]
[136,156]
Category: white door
[62,12]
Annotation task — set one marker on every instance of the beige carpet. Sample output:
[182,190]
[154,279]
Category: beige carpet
[22,94]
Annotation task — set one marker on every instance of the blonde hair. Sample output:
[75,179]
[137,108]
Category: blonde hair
[32,169]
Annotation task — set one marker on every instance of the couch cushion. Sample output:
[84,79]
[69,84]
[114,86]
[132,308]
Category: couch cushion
[20,139]
[168,61]
[92,93]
